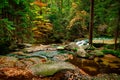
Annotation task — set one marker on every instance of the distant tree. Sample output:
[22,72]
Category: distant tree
[91,22]
[117,32]
[117,28]
[15,22]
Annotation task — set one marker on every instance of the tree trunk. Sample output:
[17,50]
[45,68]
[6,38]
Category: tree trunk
[117,31]
[91,22]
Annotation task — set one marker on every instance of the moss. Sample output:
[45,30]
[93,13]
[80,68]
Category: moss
[98,53]
[91,48]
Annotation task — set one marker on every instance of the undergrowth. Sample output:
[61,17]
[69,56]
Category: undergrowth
[109,51]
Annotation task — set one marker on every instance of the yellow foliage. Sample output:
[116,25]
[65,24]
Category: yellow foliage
[37,32]
[74,5]
[83,12]
[73,21]
[79,16]
[46,20]
[42,29]
[39,17]
[42,26]
[35,28]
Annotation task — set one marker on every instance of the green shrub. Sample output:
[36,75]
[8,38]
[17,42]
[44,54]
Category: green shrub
[98,45]
[109,46]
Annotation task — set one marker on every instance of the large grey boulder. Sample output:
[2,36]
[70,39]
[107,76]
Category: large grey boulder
[80,48]
[50,68]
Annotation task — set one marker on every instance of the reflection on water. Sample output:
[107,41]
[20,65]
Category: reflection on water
[106,64]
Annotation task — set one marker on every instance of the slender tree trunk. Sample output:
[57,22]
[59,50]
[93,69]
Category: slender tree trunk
[117,31]
[91,22]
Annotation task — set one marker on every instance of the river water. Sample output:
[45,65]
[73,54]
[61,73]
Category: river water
[107,64]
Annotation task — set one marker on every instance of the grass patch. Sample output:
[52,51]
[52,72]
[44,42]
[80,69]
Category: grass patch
[109,51]
[111,46]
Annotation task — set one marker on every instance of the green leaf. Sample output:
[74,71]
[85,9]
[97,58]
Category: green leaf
[9,27]
[17,1]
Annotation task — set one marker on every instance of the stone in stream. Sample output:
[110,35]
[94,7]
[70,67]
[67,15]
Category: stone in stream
[80,49]
[26,62]
[60,48]
[81,52]
[39,48]
[62,57]
[71,46]
[50,68]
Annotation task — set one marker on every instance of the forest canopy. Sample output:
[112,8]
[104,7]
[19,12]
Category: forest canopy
[49,21]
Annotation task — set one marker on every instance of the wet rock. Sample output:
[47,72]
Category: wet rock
[39,48]
[37,60]
[80,49]
[97,53]
[15,74]
[45,54]
[91,54]
[71,46]
[50,68]
[26,62]
[60,48]
[6,61]
[63,57]
[111,61]
[20,64]
[33,49]
[81,52]
[27,45]
[70,75]
[98,60]
[19,53]
[112,76]
[91,57]
[110,56]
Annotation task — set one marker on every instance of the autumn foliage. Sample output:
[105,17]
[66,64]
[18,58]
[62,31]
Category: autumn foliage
[40,4]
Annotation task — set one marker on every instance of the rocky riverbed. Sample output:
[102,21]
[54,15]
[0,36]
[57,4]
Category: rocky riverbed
[54,62]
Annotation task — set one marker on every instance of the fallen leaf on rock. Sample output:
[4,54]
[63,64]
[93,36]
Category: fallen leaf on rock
[8,73]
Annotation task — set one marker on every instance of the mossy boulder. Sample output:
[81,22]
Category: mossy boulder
[50,68]
[98,53]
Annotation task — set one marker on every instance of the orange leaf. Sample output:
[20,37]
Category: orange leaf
[40,4]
